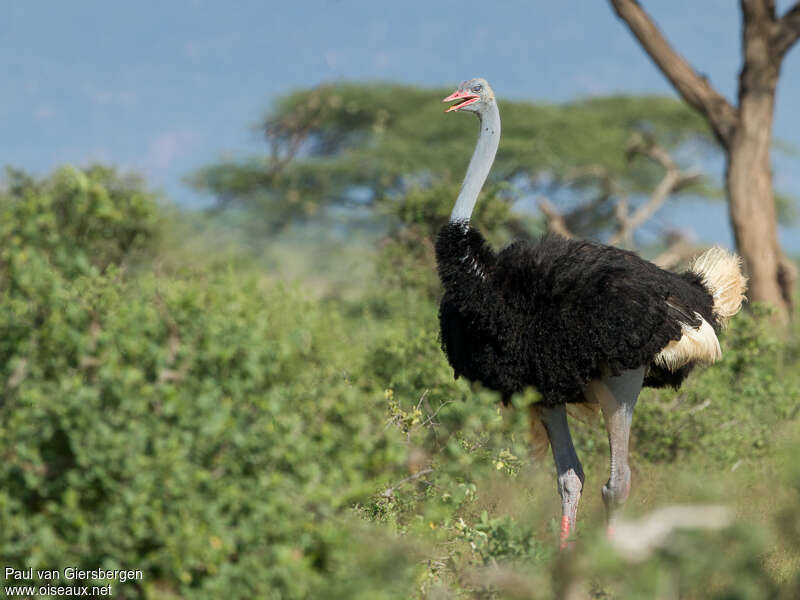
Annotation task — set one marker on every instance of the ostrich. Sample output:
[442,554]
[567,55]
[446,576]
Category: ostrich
[578,320]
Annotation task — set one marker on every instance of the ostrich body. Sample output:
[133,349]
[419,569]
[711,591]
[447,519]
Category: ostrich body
[578,320]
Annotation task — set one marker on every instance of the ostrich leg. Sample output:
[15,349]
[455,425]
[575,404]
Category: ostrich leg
[617,398]
[570,471]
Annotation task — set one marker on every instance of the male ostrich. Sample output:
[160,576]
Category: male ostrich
[578,320]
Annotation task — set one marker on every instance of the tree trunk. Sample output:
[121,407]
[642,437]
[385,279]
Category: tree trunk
[749,169]
[751,204]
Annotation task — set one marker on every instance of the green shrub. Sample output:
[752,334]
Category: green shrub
[235,437]
[74,220]
[203,430]
[201,424]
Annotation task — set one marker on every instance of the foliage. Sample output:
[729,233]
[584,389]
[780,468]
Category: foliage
[359,143]
[75,220]
[147,417]
[170,426]
[233,436]
[71,224]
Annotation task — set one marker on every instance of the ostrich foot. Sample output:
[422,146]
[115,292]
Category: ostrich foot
[570,485]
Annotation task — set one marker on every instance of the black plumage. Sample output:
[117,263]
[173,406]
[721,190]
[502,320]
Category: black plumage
[554,314]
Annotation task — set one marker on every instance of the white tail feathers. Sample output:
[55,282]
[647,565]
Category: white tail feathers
[721,273]
[699,344]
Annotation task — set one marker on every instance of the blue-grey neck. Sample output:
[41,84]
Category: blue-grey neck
[480,164]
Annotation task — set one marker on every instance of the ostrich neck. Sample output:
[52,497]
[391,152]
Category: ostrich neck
[479,165]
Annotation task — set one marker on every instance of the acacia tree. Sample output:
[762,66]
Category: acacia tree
[353,145]
[743,131]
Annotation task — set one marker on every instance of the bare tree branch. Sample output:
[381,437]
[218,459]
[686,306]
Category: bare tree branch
[679,250]
[631,222]
[595,212]
[622,214]
[693,88]
[673,180]
[555,222]
[787,30]
[759,75]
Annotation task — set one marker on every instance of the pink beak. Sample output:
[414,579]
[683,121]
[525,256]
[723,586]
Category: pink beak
[468,97]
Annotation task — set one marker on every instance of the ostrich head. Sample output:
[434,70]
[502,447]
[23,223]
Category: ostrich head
[473,96]
[477,97]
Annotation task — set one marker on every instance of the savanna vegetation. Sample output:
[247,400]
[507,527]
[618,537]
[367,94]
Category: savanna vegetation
[245,413]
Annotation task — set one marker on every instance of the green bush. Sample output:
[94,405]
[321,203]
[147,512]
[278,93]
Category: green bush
[200,424]
[232,436]
[204,431]
[74,219]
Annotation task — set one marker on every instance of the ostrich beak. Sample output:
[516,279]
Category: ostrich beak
[464,98]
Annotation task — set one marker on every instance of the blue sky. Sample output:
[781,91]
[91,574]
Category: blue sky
[166,87]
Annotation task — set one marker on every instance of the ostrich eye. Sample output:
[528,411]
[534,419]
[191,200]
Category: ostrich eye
[477,88]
